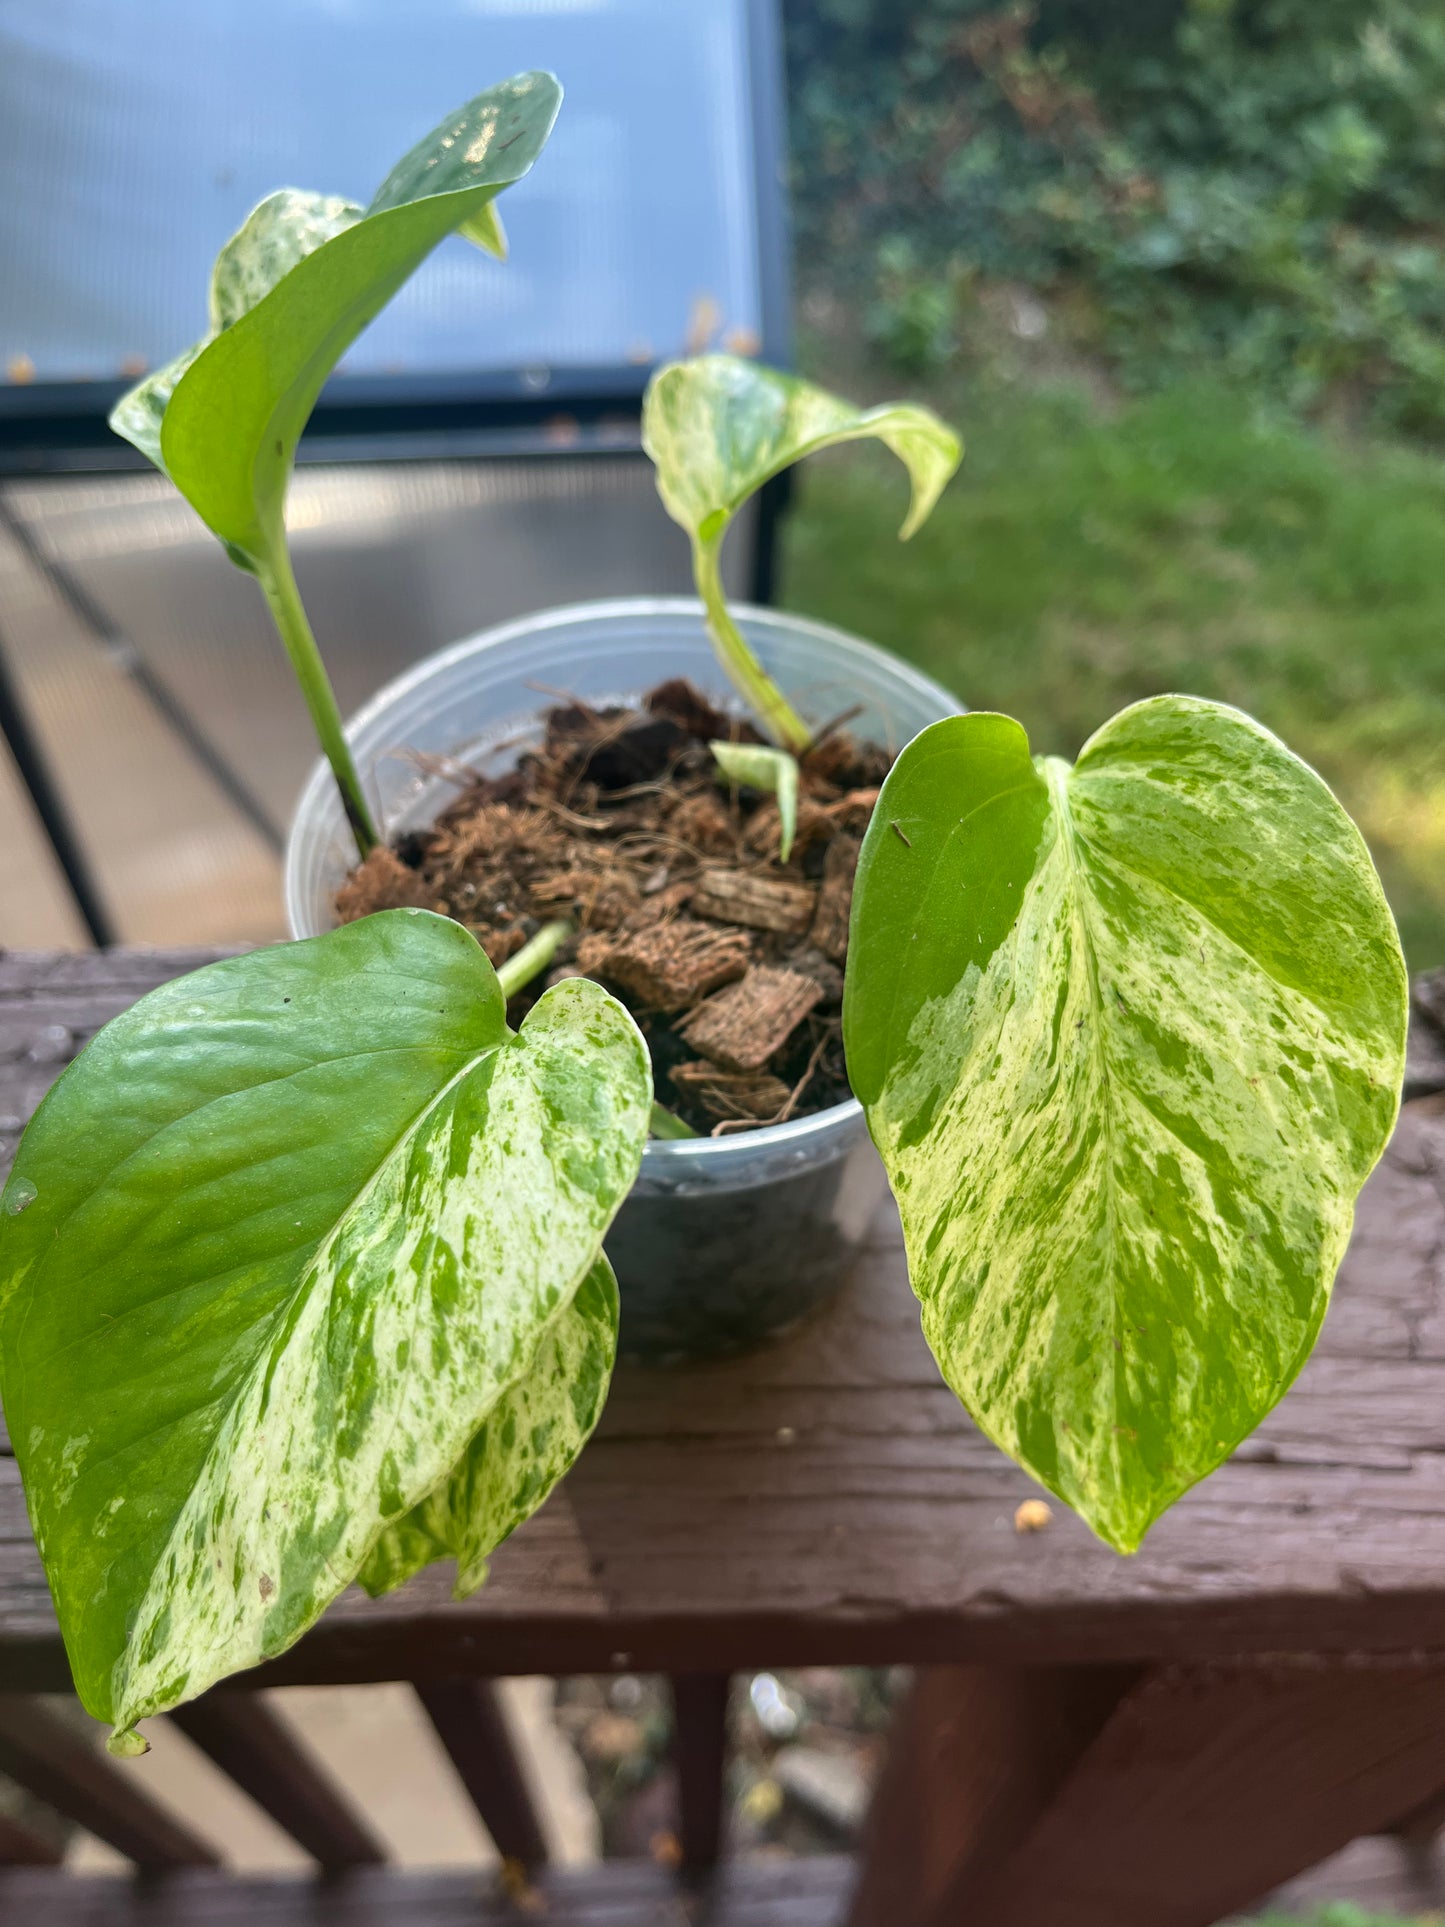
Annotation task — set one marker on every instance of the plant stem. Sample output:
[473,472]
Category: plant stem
[273,571]
[534,956]
[756,687]
[666,1123]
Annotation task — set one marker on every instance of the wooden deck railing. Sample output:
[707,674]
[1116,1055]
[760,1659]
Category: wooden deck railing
[1090,1742]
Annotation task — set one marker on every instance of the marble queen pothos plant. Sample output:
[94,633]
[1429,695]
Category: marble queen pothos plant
[301,1271]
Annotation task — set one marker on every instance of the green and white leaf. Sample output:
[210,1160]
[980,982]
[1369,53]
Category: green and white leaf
[717,428]
[759,768]
[532,1436]
[1130,1037]
[291,291]
[275,1248]
[269,242]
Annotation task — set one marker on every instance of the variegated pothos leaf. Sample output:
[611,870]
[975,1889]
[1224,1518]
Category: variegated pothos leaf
[275,1248]
[295,286]
[269,242]
[1130,1037]
[531,1437]
[718,427]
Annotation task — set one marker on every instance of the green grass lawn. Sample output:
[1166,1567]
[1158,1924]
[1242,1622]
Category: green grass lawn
[1080,562]
[1342,1914]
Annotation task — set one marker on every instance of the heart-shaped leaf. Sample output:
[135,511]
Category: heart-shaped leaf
[760,768]
[718,427]
[1130,1037]
[291,291]
[275,1248]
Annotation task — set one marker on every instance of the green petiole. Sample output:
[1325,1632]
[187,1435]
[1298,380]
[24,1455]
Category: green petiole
[774,713]
[274,573]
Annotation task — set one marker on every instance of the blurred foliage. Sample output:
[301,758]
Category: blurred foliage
[1343,1914]
[1192,541]
[1255,184]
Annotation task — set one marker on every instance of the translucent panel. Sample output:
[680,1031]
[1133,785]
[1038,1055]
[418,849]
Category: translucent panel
[394,561]
[135,138]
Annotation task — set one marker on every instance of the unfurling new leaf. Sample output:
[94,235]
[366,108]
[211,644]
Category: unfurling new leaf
[760,768]
[717,428]
[302,1283]
[1130,1037]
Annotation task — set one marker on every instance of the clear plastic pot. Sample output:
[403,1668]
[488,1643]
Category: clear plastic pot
[724,1241]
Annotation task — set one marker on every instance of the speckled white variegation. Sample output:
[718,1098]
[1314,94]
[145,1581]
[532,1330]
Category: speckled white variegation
[294,287]
[1130,1037]
[299,1238]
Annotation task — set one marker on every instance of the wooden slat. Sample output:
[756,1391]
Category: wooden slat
[700,1752]
[804,1893]
[22,1845]
[827,1501]
[975,1757]
[1210,1786]
[41,1754]
[245,1738]
[472,1725]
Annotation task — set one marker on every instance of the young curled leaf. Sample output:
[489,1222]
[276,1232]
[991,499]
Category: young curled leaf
[296,1228]
[717,428]
[760,768]
[1130,1037]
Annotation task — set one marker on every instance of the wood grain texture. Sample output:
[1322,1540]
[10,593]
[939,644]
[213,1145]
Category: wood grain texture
[827,1501]
[976,1754]
[1209,1785]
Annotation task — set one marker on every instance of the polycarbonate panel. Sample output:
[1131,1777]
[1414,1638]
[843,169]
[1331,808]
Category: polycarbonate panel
[135,137]
[394,561]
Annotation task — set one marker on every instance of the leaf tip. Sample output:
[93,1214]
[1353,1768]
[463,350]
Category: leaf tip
[125,1743]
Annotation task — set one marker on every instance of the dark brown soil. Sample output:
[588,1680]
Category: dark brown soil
[731,961]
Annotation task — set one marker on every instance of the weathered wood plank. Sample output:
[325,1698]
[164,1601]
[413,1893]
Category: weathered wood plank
[826,1500]
[804,1893]
[472,1725]
[60,1768]
[1208,1786]
[250,1744]
[976,1754]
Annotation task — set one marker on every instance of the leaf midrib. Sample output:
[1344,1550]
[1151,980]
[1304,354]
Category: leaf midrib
[1057,774]
[228,1400]
[38,1272]
[224,1402]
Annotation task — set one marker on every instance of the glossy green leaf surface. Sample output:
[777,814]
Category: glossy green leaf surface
[275,1249]
[716,429]
[760,768]
[1130,1037]
[295,286]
